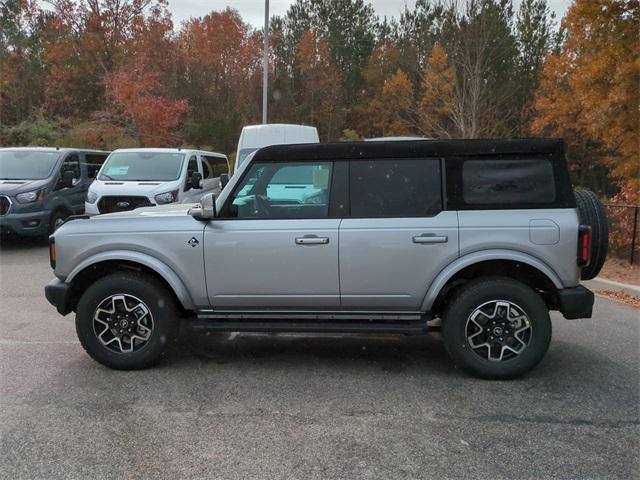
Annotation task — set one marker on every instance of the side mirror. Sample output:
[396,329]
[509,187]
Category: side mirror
[206,210]
[67,179]
[224,179]
[196,180]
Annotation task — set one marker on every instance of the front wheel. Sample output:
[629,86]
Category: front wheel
[496,328]
[125,320]
[57,220]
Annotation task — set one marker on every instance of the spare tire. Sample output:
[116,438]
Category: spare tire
[593,214]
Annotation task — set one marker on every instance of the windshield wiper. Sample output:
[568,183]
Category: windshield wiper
[108,177]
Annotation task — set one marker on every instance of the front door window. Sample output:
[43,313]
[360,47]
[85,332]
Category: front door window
[280,190]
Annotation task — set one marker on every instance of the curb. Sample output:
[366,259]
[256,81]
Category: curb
[605,284]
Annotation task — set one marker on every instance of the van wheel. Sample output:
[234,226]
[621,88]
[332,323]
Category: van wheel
[56,220]
[126,320]
[496,328]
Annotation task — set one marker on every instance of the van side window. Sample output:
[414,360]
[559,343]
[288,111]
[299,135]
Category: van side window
[395,188]
[216,165]
[192,167]
[94,161]
[508,181]
[70,164]
[283,191]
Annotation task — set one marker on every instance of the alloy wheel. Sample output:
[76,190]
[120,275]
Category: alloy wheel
[498,330]
[123,323]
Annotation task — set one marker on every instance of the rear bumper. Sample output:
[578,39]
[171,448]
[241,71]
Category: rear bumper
[575,302]
[58,294]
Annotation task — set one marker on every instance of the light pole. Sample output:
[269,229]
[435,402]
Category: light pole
[265,63]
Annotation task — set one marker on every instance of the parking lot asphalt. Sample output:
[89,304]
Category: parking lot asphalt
[290,406]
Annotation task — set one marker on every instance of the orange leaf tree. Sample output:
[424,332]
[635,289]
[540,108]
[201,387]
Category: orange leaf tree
[437,103]
[590,91]
[144,105]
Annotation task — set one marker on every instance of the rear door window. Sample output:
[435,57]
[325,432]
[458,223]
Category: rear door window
[395,188]
[508,181]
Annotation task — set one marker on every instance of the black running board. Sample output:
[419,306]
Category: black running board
[305,326]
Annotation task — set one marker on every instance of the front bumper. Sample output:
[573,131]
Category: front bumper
[31,224]
[58,294]
[575,302]
[91,208]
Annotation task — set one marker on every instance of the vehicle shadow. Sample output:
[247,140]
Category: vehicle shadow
[14,243]
[390,353]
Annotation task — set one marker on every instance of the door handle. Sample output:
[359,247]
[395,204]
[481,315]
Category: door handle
[430,238]
[312,240]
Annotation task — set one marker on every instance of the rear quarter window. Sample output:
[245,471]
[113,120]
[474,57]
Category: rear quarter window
[508,182]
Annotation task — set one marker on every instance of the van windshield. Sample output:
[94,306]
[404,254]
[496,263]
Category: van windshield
[27,164]
[142,166]
[243,154]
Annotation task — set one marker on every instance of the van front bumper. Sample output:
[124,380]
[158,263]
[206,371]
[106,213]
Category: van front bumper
[58,294]
[31,224]
[91,208]
[575,302]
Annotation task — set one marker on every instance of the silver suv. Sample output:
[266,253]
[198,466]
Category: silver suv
[367,237]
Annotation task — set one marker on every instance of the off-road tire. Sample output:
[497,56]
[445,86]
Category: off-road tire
[157,299]
[472,295]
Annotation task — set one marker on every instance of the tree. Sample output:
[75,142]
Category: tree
[88,39]
[393,111]
[590,90]
[482,49]
[219,73]
[536,36]
[318,86]
[21,65]
[144,105]
[436,105]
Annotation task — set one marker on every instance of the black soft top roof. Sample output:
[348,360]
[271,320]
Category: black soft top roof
[409,149]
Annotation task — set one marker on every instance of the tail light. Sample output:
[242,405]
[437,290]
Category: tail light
[52,251]
[584,245]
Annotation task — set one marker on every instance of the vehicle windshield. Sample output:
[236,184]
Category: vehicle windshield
[142,166]
[27,164]
[243,154]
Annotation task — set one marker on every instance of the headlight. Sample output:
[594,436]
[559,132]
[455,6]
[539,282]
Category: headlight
[29,197]
[166,197]
[92,197]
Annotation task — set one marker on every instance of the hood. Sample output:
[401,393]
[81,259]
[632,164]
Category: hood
[170,210]
[137,189]
[14,187]
[161,219]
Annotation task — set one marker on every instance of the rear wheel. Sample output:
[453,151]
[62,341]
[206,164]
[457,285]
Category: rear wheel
[496,328]
[126,320]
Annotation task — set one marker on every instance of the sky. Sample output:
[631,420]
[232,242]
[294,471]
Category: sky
[253,10]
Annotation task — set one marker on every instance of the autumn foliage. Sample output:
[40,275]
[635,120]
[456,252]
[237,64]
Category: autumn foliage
[116,73]
[590,90]
[144,105]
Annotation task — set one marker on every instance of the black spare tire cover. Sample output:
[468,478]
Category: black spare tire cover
[593,214]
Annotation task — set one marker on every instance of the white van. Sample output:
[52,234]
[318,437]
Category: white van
[254,137]
[142,177]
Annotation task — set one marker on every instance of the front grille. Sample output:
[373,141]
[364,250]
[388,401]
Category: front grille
[110,204]
[5,205]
